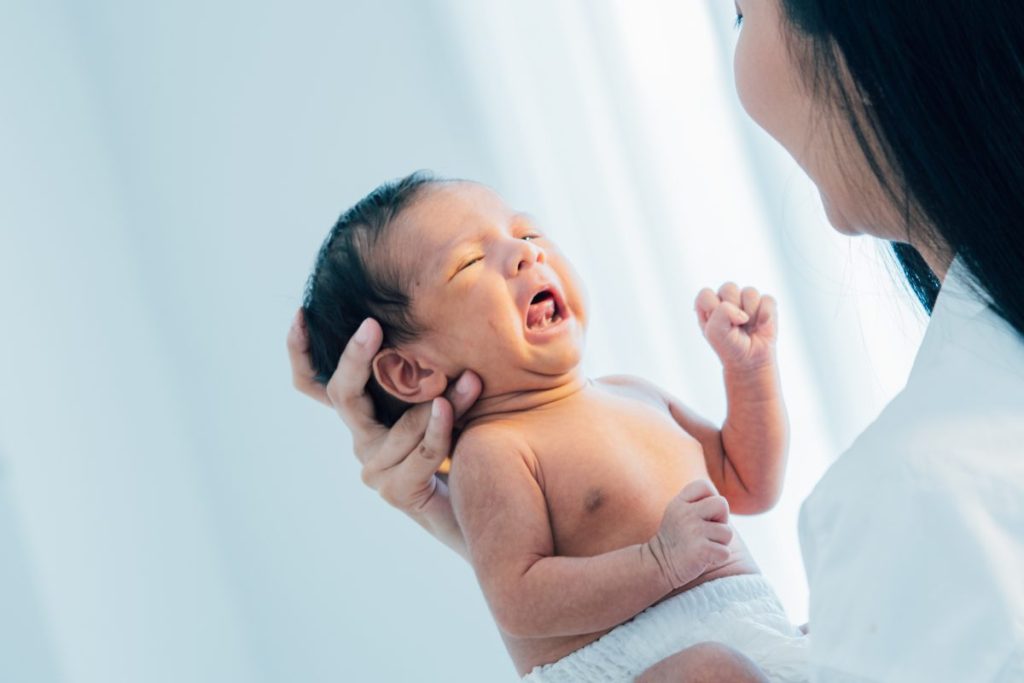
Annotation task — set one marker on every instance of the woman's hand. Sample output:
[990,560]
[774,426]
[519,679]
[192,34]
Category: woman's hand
[399,463]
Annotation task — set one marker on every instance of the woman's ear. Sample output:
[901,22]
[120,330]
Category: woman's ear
[406,378]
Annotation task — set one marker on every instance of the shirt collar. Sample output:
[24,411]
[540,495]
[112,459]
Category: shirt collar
[960,318]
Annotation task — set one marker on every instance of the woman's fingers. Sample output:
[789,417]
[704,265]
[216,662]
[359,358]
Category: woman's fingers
[406,437]
[463,393]
[400,462]
[403,474]
[303,376]
[426,429]
[414,473]
[412,450]
[346,389]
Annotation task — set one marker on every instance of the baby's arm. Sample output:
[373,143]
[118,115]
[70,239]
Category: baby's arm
[746,458]
[532,593]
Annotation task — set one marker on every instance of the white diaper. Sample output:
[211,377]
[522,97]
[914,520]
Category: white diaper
[742,612]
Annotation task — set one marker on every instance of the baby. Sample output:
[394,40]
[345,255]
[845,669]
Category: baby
[599,543]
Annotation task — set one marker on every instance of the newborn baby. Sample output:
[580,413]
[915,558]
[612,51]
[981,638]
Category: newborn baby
[598,541]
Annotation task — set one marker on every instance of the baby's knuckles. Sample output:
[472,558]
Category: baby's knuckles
[682,545]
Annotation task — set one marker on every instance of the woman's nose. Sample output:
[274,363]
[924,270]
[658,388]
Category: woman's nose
[525,255]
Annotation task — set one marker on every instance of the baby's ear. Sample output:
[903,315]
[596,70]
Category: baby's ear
[406,377]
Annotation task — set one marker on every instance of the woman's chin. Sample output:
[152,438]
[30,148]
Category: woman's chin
[838,219]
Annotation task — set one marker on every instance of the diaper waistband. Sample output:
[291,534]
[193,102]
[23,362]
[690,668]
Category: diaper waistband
[741,611]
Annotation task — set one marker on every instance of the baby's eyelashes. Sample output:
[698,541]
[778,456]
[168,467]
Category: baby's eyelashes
[470,262]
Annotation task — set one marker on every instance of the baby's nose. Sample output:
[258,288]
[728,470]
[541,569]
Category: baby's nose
[528,255]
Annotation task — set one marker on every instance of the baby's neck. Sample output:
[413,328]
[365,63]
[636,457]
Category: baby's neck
[508,403]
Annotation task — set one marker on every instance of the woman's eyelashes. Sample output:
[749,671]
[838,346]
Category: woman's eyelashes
[739,21]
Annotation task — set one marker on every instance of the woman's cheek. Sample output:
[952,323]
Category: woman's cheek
[741,66]
[754,84]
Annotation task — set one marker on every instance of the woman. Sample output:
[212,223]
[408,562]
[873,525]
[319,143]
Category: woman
[909,118]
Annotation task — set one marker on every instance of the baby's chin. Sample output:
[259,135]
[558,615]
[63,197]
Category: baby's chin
[532,377]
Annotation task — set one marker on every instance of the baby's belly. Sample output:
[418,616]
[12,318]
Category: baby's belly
[611,497]
[613,504]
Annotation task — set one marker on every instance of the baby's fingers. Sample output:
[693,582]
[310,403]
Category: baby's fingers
[713,509]
[697,489]
[723,319]
[718,532]
[707,301]
[716,554]
[750,299]
[730,292]
[767,313]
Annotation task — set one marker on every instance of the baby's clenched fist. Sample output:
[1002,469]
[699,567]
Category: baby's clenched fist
[694,535]
[740,325]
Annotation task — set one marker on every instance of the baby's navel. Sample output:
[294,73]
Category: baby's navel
[594,500]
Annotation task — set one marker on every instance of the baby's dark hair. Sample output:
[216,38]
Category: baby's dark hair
[347,286]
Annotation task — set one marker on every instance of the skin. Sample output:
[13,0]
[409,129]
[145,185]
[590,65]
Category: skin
[401,463]
[476,266]
[773,91]
[704,663]
[542,439]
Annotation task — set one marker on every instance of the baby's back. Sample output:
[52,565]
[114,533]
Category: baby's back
[608,460]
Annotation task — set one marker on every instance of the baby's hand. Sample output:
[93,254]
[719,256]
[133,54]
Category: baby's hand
[694,535]
[741,326]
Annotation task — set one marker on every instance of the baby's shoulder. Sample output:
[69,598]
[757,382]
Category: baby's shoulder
[489,436]
[634,387]
[490,448]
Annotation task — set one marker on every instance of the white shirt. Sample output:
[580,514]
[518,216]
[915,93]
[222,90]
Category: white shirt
[913,541]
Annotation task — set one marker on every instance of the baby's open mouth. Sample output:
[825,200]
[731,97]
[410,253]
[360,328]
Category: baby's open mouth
[543,311]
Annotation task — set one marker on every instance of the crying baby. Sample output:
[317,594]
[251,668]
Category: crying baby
[595,511]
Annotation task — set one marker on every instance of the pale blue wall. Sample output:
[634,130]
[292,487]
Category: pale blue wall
[170,510]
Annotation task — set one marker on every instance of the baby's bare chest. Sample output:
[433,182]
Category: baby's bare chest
[608,473]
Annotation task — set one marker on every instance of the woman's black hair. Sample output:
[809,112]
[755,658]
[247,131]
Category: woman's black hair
[347,286]
[934,92]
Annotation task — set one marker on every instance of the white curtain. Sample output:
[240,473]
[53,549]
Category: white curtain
[169,508]
[619,121]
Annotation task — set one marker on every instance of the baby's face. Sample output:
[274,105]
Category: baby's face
[493,291]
